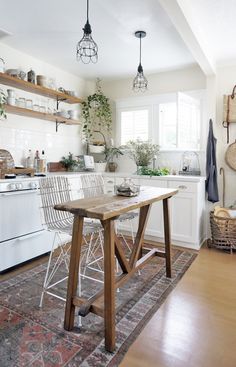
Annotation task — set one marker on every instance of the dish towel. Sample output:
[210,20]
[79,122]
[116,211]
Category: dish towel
[211,167]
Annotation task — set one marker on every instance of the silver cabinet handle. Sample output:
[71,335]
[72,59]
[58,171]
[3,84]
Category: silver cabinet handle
[182,187]
[109,181]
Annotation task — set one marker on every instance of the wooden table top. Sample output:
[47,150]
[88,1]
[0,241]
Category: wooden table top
[109,206]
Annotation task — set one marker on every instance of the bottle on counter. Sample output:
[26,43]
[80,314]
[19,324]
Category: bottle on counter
[37,161]
[44,162]
[30,160]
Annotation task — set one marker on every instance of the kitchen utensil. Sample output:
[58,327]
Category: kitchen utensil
[230,156]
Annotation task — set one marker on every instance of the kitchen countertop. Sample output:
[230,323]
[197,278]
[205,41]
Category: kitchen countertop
[113,174]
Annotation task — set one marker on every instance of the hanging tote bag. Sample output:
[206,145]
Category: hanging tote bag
[229,110]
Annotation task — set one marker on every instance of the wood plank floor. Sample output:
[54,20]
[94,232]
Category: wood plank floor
[196,326]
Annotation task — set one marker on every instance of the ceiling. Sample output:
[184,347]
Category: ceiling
[213,22]
[50,29]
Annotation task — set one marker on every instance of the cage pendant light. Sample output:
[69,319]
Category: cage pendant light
[140,82]
[87,49]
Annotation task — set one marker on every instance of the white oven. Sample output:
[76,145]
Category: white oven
[22,236]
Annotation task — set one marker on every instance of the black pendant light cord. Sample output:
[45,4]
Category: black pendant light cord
[87,11]
[140,52]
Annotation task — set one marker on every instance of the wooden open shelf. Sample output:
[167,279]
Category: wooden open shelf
[37,89]
[40,115]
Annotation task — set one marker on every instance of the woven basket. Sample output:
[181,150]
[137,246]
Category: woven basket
[223,232]
[230,156]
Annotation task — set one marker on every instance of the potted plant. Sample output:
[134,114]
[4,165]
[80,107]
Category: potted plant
[69,162]
[110,154]
[97,118]
[3,101]
[142,152]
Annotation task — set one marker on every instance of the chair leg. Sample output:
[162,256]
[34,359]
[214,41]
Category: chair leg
[79,284]
[47,271]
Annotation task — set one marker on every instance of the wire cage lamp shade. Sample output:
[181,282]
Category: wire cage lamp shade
[87,49]
[140,82]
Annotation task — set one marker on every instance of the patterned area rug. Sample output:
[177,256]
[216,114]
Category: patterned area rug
[30,336]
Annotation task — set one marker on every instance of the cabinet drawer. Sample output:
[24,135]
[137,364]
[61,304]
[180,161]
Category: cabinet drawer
[109,181]
[25,248]
[183,186]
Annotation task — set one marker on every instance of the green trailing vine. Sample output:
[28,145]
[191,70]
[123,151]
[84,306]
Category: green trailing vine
[3,101]
[97,114]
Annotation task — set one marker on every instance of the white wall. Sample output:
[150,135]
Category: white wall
[172,81]
[188,79]
[225,81]
[18,133]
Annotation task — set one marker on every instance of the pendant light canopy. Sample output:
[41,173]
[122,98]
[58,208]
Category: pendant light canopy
[140,82]
[87,49]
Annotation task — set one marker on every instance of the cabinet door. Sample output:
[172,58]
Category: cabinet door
[155,220]
[183,209]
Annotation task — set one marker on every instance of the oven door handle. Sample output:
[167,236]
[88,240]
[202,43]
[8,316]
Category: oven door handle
[11,193]
[31,235]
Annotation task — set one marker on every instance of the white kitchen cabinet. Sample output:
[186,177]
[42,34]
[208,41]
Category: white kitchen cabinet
[155,220]
[187,209]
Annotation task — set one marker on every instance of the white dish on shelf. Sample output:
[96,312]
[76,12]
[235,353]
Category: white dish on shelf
[16,73]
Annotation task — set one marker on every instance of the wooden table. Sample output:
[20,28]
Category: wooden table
[107,208]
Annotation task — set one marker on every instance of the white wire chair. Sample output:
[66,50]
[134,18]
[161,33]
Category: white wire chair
[54,190]
[93,185]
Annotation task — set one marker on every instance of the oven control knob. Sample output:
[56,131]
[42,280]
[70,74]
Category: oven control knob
[19,186]
[33,185]
[12,186]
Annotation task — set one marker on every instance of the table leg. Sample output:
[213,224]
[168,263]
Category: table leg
[167,237]
[77,239]
[109,285]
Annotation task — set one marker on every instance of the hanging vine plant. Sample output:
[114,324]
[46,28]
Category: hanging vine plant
[97,115]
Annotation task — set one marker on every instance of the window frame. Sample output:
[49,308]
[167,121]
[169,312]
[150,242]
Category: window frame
[152,103]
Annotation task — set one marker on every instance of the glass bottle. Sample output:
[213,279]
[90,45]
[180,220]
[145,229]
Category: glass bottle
[31,76]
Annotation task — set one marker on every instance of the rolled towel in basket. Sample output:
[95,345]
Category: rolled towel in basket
[224,212]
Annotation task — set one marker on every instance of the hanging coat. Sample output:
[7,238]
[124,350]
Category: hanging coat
[211,168]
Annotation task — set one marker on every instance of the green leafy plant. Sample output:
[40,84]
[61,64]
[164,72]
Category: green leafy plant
[3,101]
[97,115]
[142,152]
[154,172]
[69,162]
[111,153]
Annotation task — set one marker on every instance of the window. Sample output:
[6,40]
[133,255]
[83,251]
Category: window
[179,123]
[134,124]
[168,125]
[189,118]
[172,120]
